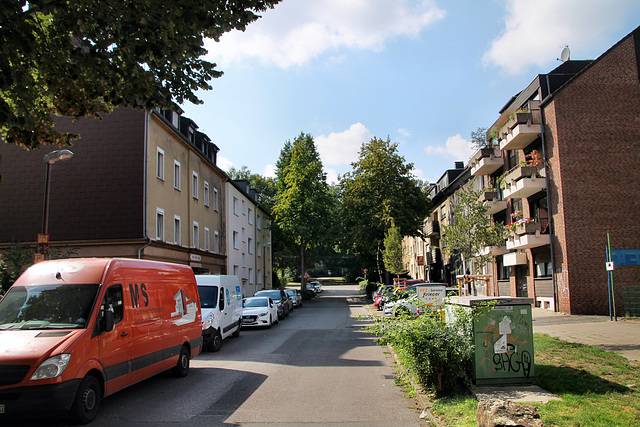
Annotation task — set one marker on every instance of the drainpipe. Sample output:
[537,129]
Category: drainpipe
[551,228]
[147,114]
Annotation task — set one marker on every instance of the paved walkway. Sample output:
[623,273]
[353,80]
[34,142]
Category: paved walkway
[622,337]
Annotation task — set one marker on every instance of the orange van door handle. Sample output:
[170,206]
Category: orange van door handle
[124,334]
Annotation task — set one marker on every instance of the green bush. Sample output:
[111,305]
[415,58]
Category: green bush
[439,355]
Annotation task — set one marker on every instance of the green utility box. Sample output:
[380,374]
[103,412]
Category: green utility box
[503,337]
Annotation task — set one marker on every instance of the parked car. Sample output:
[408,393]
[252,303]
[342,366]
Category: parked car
[259,311]
[280,297]
[382,293]
[402,302]
[296,297]
[311,288]
[317,286]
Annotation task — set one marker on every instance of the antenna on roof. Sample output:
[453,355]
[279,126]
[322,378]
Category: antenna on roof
[565,55]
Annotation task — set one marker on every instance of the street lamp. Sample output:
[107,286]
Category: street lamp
[43,239]
[264,265]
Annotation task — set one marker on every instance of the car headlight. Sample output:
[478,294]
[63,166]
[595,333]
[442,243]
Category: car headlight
[52,367]
[263,313]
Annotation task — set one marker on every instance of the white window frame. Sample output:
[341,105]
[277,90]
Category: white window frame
[250,216]
[207,239]
[250,245]
[160,224]
[177,232]
[216,242]
[206,194]
[160,163]
[244,235]
[235,206]
[236,244]
[194,185]
[215,199]
[176,175]
[196,234]
[251,281]
[244,260]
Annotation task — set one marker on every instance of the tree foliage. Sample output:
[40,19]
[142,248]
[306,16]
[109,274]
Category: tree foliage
[265,186]
[379,191]
[470,228]
[303,206]
[392,253]
[83,58]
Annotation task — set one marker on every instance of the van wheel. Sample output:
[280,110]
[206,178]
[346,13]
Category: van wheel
[216,341]
[182,367]
[236,334]
[87,401]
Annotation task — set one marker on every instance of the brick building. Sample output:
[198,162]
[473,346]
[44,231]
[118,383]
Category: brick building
[569,163]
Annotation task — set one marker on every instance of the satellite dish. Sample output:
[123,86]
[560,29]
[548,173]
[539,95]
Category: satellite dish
[565,55]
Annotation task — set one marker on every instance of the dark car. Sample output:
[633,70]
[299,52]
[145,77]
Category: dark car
[280,297]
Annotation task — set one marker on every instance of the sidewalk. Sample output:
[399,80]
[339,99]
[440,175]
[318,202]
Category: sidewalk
[622,337]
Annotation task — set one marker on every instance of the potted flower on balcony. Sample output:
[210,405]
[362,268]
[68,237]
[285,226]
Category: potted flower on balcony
[519,117]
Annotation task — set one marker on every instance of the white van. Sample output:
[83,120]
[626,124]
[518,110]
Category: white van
[221,304]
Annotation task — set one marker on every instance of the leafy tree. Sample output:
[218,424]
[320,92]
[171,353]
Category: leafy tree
[471,229]
[303,205]
[392,254]
[83,58]
[379,191]
[481,139]
[264,186]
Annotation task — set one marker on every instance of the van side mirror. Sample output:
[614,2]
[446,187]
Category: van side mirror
[108,321]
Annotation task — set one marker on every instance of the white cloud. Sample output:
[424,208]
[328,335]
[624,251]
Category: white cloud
[332,175]
[342,148]
[269,171]
[535,33]
[456,147]
[297,31]
[224,163]
[404,132]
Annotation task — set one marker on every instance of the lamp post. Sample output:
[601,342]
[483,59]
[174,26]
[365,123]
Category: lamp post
[264,265]
[43,239]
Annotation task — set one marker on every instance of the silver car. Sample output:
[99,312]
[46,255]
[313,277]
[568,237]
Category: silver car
[295,296]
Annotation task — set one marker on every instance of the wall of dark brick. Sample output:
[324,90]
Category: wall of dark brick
[98,194]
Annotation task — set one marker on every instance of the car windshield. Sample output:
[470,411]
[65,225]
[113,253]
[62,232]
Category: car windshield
[208,296]
[292,293]
[256,302]
[274,295]
[55,306]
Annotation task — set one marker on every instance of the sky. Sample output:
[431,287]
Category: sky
[423,73]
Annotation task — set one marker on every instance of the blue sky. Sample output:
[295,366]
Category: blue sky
[425,73]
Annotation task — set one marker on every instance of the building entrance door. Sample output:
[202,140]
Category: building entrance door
[521,281]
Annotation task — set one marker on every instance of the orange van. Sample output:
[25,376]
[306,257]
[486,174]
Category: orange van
[73,331]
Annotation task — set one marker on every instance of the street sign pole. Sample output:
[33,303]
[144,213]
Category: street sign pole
[611,284]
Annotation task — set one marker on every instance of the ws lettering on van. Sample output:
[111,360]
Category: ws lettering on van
[135,295]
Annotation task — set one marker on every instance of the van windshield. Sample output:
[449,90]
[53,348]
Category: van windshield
[57,306]
[208,296]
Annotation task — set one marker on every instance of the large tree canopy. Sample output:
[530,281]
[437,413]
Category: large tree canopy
[84,57]
[378,192]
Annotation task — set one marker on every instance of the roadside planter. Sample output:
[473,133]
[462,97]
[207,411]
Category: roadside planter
[503,337]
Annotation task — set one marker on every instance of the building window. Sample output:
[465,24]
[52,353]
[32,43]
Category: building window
[250,215]
[160,164]
[160,224]
[244,260]
[244,208]
[176,230]
[196,235]
[216,242]
[543,265]
[250,245]
[194,185]
[207,238]
[215,199]
[235,206]
[236,244]
[259,222]
[235,270]
[251,276]
[206,193]
[244,235]
[176,175]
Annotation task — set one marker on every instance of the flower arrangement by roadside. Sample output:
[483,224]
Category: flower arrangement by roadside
[516,220]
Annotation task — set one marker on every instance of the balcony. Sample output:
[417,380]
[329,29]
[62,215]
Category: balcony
[521,130]
[494,250]
[490,197]
[486,161]
[528,241]
[432,228]
[514,258]
[522,182]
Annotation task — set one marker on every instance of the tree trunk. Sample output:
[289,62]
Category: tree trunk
[378,263]
[303,280]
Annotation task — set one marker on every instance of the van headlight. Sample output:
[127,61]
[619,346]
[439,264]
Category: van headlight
[52,367]
[206,324]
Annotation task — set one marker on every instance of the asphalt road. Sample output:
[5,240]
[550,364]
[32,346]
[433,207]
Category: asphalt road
[315,367]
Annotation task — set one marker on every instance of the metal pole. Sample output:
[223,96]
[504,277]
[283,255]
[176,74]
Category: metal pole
[45,212]
[613,293]
[608,258]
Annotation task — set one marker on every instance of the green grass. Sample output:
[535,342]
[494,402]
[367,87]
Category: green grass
[597,387]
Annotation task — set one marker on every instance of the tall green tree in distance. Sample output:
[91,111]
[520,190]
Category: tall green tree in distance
[392,254]
[303,204]
[380,190]
[84,57]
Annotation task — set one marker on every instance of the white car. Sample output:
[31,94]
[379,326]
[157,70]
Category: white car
[259,311]
[316,285]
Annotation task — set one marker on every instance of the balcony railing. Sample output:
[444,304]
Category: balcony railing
[491,198]
[486,161]
[523,181]
[521,130]
[432,228]
[528,241]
